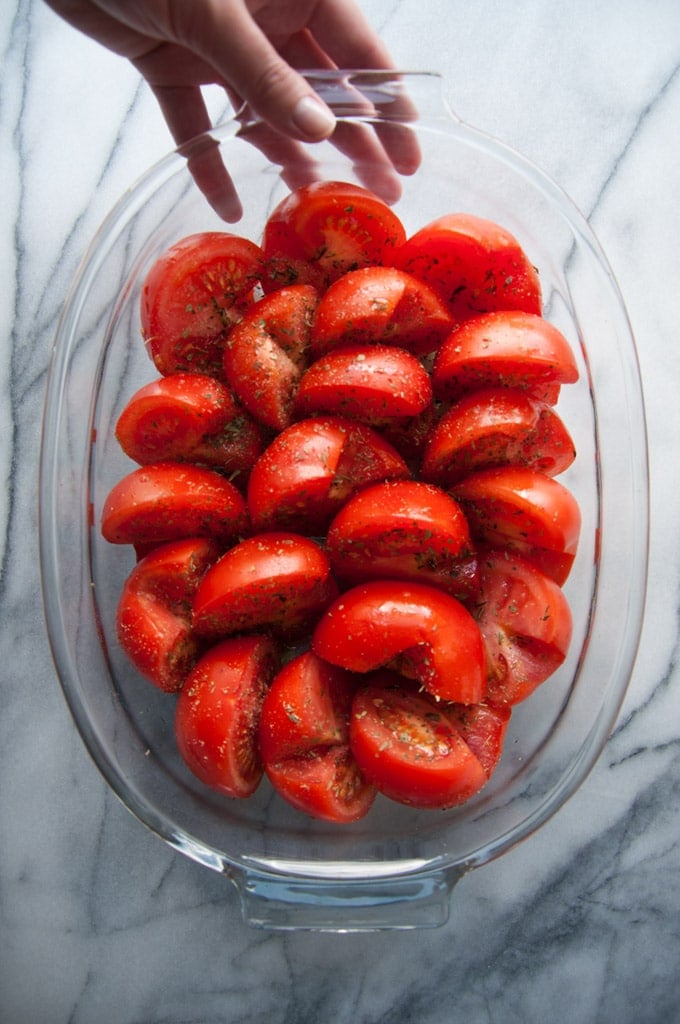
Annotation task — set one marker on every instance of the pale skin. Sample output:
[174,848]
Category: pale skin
[254,50]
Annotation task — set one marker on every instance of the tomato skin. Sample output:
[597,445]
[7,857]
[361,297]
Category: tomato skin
[304,740]
[405,744]
[153,616]
[380,305]
[218,713]
[274,581]
[265,354]
[334,226]
[193,293]
[474,264]
[504,349]
[188,417]
[423,632]
[308,471]
[171,500]
[405,530]
[526,624]
[374,384]
[496,427]
[526,512]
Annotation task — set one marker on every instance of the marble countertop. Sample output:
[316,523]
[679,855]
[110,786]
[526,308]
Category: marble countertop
[100,922]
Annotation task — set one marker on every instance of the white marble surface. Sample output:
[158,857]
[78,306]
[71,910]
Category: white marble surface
[100,923]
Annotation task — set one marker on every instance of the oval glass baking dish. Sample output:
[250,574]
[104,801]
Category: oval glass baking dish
[396,867]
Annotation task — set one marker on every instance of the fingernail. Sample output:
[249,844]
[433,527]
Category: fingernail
[312,118]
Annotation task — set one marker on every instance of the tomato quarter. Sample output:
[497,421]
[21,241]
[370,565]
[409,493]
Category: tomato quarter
[423,632]
[218,713]
[276,581]
[171,500]
[153,616]
[193,294]
[405,744]
[474,264]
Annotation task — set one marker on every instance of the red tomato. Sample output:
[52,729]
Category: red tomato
[420,630]
[405,744]
[474,264]
[526,512]
[508,349]
[274,581]
[374,384]
[404,530]
[153,617]
[193,294]
[334,226]
[380,305]
[483,727]
[265,354]
[218,713]
[304,740]
[308,471]
[526,625]
[495,427]
[188,417]
[170,500]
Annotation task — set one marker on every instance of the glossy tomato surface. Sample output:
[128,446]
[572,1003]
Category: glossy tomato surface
[474,264]
[275,581]
[218,713]
[418,629]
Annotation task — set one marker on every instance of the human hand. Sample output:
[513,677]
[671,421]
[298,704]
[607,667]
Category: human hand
[253,49]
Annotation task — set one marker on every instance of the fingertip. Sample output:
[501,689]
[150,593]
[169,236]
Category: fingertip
[312,118]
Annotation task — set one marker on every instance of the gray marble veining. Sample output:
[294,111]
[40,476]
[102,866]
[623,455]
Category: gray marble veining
[100,923]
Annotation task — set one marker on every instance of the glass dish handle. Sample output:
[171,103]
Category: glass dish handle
[286,902]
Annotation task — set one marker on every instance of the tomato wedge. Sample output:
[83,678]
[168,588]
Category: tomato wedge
[153,616]
[474,264]
[171,500]
[218,713]
[483,727]
[265,354]
[506,349]
[403,530]
[374,384]
[188,417]
[526,624]
[407,746]
[380,305]
[304,740]
[423,632]
[526,512]
[496,427]
[334,226]
[308,471]
[193,294]
[273,581]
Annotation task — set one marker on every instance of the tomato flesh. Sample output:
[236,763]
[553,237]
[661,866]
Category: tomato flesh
[309,470]
[409,749]
[153,615]
[193,294]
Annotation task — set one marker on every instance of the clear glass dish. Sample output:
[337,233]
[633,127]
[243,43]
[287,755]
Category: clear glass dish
[397,867]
